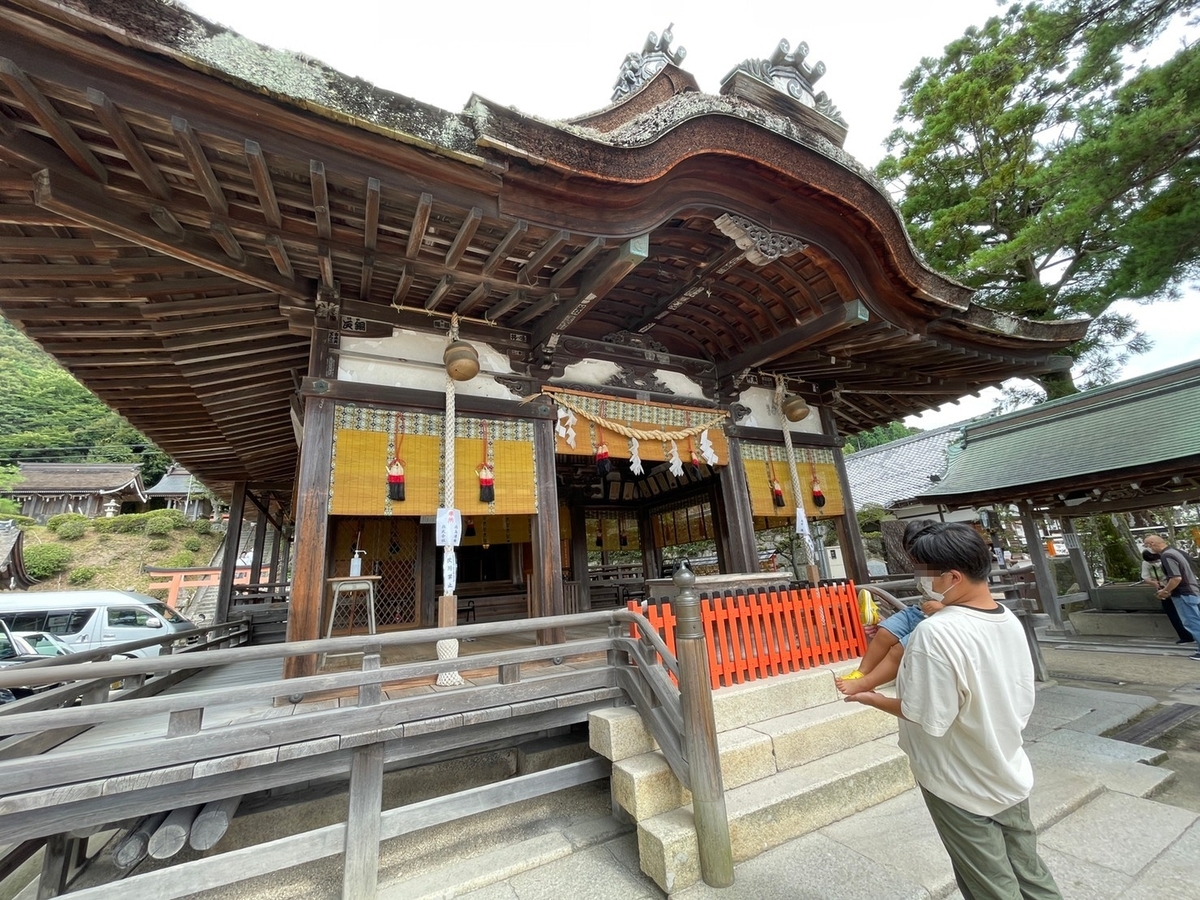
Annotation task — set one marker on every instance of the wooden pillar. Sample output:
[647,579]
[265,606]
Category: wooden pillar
[1041,569]
[854,552]
[56,866]
[736,521]
[260,543]
[579,555]
[1079,564]
[427,576]
[652,556]
[360,874]
[273,573]
[233,544]
[547,547]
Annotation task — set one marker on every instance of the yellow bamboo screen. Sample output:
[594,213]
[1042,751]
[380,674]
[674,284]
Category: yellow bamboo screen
[605,528]
[759,459]
[638,415]
[497,530]
[366,439]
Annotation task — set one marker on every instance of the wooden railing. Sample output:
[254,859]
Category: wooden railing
[175,580]
[756,634]
[180,760]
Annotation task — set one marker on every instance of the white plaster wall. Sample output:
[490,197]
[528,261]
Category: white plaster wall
[413,360]
[597,372]
[762,414]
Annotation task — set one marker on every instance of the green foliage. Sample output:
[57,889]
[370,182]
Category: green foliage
[193,544]
[174,516]
[50,417]
[21,521]
[1038,169]
[10,476]
[82,574]
[72,530]
[9,508]
[158,545]
[871,517]
[877,436]
[181,560]
[1106,543]
[158,525]
[46,560]
[57,521]
[201,526]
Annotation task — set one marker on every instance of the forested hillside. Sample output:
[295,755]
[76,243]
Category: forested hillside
[46,415]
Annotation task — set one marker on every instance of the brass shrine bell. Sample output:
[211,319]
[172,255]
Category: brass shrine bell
[461,361]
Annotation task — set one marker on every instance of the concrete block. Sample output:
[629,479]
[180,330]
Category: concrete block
[645,786]
[1107,748]
[1172,876]
[546,753]
[1129,778]
[743,704]
[1109,623]
[1078,879]
[618,733]
[1120,832]
[809,734]
[1058,792]
[766,813]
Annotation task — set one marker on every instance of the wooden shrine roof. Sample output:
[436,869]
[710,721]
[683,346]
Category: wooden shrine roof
[173,198]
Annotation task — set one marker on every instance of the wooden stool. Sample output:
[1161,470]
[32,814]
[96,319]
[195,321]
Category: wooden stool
[351,589]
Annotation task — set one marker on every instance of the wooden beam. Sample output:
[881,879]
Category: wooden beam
[135,154]
[367,274]
[438,292]
[98,211]
[843,316]
[43,111]
[371,215]
[536,310]
[463,239]
[535,264]
[402,286]
[279,256]
[577,262]
[606,275]
[420,222]
[504,306]
[263,185]
[320,197]
[20,214]
[228,242]
[474,298]
[515,233]
[325,265]
[202,173]
[163,218]
[45,246]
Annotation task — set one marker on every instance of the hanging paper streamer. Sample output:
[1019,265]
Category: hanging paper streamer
[565,428]
[706,449]
[676,464]
[635,457]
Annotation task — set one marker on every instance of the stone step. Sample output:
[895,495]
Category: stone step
[770,811]
[644,785]
[619,733]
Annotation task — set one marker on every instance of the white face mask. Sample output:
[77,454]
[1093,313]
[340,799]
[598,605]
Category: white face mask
[925,586]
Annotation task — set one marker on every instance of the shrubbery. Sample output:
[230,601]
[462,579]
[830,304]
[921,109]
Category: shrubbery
[82,574]
[157,521]
[193,544]
[181,560]
[158,525]
[158,545]
[54,523]
[46,560]
[21,521]
[201,526]
[72,529]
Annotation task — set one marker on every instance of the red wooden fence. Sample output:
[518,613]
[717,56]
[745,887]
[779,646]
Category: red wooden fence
[770,631]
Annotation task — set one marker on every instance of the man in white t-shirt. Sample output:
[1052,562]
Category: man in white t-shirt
[965,691]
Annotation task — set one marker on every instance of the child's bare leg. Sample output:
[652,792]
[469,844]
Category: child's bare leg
[879,675]
[881,645]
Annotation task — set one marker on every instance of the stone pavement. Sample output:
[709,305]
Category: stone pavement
[1100,835]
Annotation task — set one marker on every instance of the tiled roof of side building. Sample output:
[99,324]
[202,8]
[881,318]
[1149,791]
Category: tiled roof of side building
[85,477]
[900,470]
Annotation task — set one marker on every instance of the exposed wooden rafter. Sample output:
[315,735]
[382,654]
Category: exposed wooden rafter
[135,154]
[198,164]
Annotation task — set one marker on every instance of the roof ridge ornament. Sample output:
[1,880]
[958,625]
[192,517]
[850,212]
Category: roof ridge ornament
[787,72]
[640,68]
[760,244]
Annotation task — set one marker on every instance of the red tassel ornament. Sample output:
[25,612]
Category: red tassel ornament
[777,493]
[395,479]
[817,494]
[487,483]
[603,463]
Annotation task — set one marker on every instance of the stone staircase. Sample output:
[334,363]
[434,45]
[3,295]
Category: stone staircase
[794,758]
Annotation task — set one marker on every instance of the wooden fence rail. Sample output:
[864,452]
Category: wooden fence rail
[175,580]
[770,631]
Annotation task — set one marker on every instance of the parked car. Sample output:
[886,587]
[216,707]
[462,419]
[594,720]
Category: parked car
[86,620]
[13,652]
[44,643]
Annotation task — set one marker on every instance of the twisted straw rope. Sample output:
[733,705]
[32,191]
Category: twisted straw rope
[640,434]
[809,546]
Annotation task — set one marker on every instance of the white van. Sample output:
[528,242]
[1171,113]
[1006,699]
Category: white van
[90,619]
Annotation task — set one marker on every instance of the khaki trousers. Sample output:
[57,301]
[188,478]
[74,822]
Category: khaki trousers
[994,857]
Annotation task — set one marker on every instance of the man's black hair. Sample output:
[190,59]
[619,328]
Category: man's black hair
[948,545]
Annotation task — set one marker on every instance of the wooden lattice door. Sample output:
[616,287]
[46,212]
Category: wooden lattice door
[392,547]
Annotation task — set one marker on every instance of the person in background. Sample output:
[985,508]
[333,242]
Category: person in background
[1180,584]
[1152,574]
[965,692]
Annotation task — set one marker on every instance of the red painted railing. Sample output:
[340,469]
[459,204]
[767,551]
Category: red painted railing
[759,633]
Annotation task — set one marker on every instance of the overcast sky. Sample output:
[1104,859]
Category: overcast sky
[561,59]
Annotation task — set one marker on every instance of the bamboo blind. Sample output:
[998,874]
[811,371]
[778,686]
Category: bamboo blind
[758,460]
